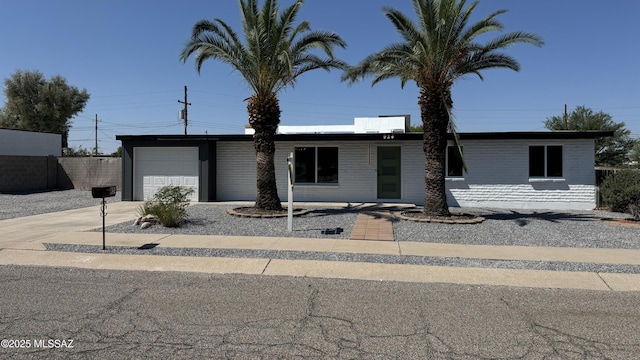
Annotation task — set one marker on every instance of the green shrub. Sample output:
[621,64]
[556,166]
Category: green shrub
[634,210]
[621,190]
[169,204]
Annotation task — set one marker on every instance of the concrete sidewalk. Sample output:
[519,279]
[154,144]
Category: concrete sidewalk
[22,239]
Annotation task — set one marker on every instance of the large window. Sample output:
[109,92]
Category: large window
[316,165]
[545,161]
[454,162]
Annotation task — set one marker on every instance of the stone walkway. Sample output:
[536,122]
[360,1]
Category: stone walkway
[375,226]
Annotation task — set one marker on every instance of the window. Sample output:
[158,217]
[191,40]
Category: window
[545,161]
[316,165]
[454,162]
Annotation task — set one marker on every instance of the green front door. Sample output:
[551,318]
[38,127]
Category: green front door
[389,172]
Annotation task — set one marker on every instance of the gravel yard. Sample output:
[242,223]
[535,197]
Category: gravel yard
[19,205]
[528,228]
[501,227]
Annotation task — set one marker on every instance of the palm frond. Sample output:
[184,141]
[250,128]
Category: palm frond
[453,129]
[483,61]
[513,38]
[441,47]
[213,40]
[403,25]
[274,51]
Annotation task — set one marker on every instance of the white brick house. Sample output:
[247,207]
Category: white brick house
[520,170]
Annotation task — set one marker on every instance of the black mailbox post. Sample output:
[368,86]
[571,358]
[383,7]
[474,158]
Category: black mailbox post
[103,192]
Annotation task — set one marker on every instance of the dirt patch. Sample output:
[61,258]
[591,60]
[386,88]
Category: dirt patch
[252,212]
[632,223]
[419,216]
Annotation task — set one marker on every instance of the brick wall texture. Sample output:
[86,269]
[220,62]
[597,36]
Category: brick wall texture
[497,176]
[28,173]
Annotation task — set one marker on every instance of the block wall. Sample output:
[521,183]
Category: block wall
[28,173]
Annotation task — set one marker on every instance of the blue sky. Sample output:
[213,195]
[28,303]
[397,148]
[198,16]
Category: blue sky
[125,53]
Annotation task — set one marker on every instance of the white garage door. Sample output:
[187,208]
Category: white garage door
[158,167]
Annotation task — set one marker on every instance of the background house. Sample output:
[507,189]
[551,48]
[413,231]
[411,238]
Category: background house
[29,143]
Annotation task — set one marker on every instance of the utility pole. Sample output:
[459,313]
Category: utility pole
[96,148]
[566,121]
[185,108]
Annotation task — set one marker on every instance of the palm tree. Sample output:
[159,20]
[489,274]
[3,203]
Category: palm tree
[275,52]
[440,49]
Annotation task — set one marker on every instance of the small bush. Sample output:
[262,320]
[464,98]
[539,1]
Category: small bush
[621,190]
[634,210]
[169,204]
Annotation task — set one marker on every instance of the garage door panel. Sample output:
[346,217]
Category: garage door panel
[191,168]
[158,167]
[148,194]
[176,181]
[167,168]
[190,181]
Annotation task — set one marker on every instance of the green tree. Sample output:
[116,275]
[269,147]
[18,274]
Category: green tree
[441,48]
[275,52]
[117,153]
[609,151]
[37,104]
[415,128]
[79,152]
[635,153]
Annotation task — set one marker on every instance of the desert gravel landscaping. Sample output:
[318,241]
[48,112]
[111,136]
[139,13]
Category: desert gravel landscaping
[583,229]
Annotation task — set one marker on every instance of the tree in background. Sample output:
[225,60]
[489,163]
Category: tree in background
[79,152]
[275,52]
[635,154]
[441,48]
[37,104]
[117,153]
[609,151]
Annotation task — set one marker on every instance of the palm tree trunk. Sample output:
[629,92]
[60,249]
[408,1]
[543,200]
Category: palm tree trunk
[267,190]
[264,117]
[435,121]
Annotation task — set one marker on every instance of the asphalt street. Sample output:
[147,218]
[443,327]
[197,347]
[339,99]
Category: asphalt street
[131,314]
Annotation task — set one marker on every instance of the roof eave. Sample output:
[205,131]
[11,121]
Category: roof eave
[528,135]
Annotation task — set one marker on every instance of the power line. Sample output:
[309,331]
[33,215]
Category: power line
[134,94]
[149,132]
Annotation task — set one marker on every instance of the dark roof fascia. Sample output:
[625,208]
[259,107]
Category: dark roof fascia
[540,135]
[536,135]
[185,137]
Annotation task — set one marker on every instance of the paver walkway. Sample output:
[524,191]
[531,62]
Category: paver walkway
[373,226]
